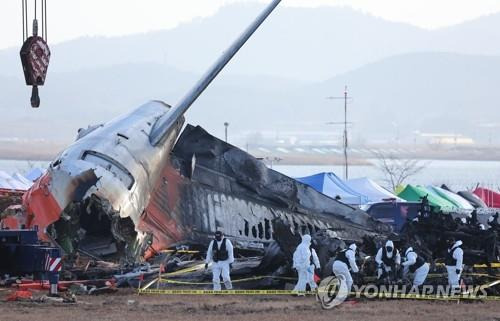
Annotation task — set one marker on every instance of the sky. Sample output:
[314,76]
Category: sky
[69,19]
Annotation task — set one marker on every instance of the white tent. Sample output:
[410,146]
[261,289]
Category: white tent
[18,182]
[373,191]
[456,199]
[23,180]
[34,174]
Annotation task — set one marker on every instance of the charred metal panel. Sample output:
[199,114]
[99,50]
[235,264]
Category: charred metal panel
[230,170]
[249,221]
[212,185]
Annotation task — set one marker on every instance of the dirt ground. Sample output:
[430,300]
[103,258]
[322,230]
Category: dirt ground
[126,305]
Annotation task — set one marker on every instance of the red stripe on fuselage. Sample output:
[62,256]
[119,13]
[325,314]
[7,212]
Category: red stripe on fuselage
[41,207]
[159,217]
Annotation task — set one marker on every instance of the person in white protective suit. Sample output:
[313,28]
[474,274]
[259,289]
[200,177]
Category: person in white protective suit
[415,264]
[220,254]
[344,263]
[302,263]
[313,266]
[388,260]
[454,262]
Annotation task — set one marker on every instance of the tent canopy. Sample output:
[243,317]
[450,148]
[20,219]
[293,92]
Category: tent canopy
[34,174]
[373,191]
[473,199]
[453,198]
[16,182]
[416,193]
[331,185]
[491,198]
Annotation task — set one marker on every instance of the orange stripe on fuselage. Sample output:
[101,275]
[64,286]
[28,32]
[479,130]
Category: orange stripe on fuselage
[41,207]
[159,218]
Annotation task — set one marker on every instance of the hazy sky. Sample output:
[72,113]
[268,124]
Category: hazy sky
[74,18]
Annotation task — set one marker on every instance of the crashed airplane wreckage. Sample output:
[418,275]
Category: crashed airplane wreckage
[132,187]
[203,184]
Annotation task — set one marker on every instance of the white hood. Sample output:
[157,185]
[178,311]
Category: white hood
[390,244]
[457,244]
[306,239]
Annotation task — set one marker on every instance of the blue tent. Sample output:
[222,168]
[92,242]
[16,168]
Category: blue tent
[331,185]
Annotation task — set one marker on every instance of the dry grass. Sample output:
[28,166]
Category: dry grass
[125,306]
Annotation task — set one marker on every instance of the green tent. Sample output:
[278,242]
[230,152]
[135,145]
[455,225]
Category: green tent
[416,193]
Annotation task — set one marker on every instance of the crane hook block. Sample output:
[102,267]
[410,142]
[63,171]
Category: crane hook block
[35,57]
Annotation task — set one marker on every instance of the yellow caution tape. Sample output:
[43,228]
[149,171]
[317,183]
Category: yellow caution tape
[287,278]
[146,289]
[224,292]
[483,265]
[493,265]
[179,272]
[482,275]
[186,270]
[255,278]
[442,275]
[202,266]
[291,292]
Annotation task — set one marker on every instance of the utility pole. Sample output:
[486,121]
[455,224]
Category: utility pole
[226,125]
[345,135]
[345,142]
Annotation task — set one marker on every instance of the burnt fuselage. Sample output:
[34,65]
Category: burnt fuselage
[209,185]
[108,185]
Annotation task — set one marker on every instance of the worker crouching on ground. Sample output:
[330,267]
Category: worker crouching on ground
[345,260]
[220,254]
[388,261]
[453,261]
[305,261]
[416,265]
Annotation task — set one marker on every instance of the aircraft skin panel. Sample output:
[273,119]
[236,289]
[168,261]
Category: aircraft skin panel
[199,195]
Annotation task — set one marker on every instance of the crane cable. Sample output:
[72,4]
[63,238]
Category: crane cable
[43,18]
[22,3]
